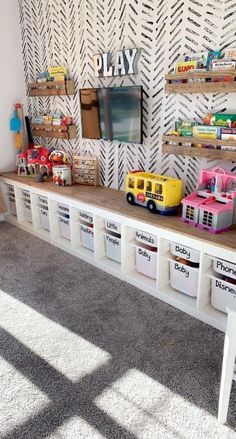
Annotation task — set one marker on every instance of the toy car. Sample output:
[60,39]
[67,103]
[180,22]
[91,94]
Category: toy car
[159,193]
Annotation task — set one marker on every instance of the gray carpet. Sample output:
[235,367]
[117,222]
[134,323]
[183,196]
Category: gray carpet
[84,355]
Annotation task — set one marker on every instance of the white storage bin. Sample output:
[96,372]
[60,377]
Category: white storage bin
[27,212]
[223,294]
[146,238]
[43,201]
[64,225]
[184,278]
[64,210]
[225,268]
[185,252]
[86,217]
[44,218]
[113,247]
[113,226]
[12,204]
[87,237]
[146,261]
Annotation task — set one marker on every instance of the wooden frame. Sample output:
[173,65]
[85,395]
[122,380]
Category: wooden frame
[51,88]
[60,132]
[201,87]
[179,145]
[86,170]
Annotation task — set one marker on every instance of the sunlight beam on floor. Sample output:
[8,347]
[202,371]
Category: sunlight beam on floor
[76,427]
[149,409]
[17,406]
[64,350]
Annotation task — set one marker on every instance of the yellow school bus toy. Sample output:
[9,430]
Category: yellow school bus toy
[159,193]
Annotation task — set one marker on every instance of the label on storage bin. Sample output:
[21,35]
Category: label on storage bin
[11,189]
[86,216]
[63,220]
[182,269]
[63,207]
[184,278]
[185,252]
[44,212]
[225,268]
[146,238]
[113,240]
[43,200]
[223,294]
[87,230]
[225,287]
[12,199]
[27,205]
[112,225]
[26,194]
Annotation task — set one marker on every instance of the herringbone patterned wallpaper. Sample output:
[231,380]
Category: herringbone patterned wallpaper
[69,32]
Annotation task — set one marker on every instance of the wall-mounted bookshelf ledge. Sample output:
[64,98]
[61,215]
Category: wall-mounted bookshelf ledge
[179,145]
[53,88]
[59,132]
[212,83]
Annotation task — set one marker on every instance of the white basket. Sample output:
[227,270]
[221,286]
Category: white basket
[43,201]
[223,294]
[27,212]
[44,218]
[86,217]
[87,237]
[146,238]
[146,261]
[184,278]
[12,205]
[64,225]
[226,268]
[64,210]
[113,247]
[113,226]
[185,252]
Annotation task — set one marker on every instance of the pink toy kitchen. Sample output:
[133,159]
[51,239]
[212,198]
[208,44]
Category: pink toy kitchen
[212,205]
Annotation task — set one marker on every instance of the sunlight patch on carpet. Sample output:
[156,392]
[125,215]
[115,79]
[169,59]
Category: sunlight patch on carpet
[64,350]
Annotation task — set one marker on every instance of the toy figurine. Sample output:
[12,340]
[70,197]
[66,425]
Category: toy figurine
[158,193]
[39,160]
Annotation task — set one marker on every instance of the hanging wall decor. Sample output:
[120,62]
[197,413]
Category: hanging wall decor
[122,62]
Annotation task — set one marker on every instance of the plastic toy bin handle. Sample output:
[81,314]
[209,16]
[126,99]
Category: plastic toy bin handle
[219,170]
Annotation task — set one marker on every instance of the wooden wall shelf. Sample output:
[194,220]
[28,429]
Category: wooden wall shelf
[182,147]
[54,88]
[60,132]
[210,86]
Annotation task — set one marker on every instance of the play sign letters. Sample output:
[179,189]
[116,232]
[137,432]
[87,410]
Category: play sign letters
[122,62]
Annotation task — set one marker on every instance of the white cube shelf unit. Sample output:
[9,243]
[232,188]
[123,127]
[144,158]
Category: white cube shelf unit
[129,243]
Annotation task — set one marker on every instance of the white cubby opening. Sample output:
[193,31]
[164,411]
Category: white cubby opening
[176,279]
[141,259]
[107,245]
[82,233]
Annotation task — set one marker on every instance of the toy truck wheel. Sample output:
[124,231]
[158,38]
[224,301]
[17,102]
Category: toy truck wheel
[130,198]
[151,206]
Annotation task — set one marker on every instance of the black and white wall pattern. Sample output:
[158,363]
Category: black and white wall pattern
[69,32]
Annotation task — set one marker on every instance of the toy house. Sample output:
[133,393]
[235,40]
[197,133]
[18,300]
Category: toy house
[213,205]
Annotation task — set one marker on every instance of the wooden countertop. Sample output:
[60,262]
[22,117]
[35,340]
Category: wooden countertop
[114,200]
